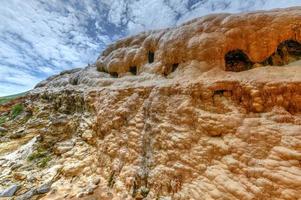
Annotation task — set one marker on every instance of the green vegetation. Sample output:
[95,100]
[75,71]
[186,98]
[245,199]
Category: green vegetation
[36,155]
[2,120]
[40,156]
[44,161]
[16,110]
[3,132]
[6,99]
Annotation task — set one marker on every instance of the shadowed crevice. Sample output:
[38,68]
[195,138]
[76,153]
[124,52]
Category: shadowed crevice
[151,57]
[133,70]
[237,61]
[287,52]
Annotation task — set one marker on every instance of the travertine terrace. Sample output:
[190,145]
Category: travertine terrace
[207,110]
[207,39]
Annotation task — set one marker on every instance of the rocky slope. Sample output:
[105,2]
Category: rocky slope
[200,111]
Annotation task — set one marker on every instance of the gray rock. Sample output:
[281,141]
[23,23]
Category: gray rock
[31,178]
[70,71]
[18,134]
[10,164]
[27,195]
[44,188]
[16,166]
[58,76]
[3,162]
[4,139]
[9,192]
[2,129]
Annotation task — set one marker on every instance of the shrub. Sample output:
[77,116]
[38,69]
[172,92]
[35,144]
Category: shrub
[36,155]
[16,110]
[44,161]
[40,156]
[2,120]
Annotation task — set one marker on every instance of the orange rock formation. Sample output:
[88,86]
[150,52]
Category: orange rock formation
[209,39]
[192,112]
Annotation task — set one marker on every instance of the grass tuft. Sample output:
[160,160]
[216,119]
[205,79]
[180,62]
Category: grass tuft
[36,155]
[44,161]
[2,120]
[16,110]
[40,156]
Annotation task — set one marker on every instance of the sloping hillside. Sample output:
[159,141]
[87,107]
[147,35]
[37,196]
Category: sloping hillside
[207,110]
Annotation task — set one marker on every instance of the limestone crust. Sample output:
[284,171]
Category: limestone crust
[181,128]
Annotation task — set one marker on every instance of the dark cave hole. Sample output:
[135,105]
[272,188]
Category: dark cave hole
[174,67]
[219,92]
[133,70]
[287,52]
[151,57]
[237,61]
[170,68]
[114,74]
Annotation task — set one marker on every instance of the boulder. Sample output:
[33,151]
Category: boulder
[2,129]
[27,195]
[10,191]
[44,188]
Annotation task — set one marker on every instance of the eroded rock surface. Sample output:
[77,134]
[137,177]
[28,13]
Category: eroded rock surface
[159,116]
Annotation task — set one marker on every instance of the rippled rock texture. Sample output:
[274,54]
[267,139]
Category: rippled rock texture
[192,112]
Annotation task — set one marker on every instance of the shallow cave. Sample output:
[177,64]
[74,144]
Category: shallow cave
[151,57]
[170,68]
[237,61]
[133,70]
[174,67]
[219,92]
[287,52]
[114,74]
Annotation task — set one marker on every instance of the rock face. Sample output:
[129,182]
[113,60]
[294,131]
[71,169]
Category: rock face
[207,39]
[193,112]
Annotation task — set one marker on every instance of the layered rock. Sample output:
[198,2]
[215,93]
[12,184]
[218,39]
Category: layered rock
[160,117]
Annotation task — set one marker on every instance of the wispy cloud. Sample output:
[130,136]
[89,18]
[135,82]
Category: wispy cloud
[41,37]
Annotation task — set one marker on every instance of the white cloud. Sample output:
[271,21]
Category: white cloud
[39,38]
[14,81]
[235,6]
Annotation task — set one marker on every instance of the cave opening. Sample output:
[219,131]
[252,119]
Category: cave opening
[133,70]
[114,74]
[287,52]
[219,92]
[174,67]
[237,61]
[170,68]
[151,57]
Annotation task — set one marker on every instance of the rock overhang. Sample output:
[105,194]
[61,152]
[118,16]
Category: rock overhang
[207,39]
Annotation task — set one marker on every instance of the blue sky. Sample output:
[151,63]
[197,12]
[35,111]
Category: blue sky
[39,38]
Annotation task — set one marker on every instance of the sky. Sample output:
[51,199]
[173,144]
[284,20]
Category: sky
[39,38]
